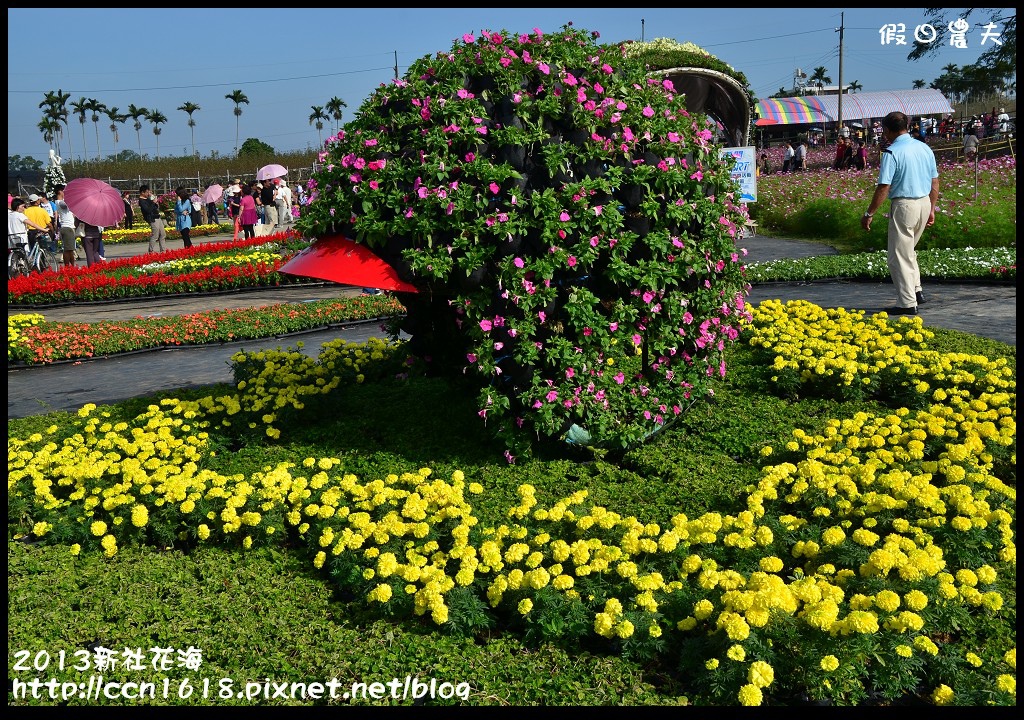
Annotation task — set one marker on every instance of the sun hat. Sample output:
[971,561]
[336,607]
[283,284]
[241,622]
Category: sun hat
[33,198]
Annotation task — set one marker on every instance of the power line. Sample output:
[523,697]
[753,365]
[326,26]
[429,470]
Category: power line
[209,85]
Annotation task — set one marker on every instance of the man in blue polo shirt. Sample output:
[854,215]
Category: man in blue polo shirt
[909,177]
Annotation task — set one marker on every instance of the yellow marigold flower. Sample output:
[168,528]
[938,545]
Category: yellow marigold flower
[476,488]
[40,528]
[992,600]
[904,651]
[760,674]
[603,624]
[771,564]
[1010,656]
[75,549]
[887,600]
[624,629]
[712,664]
[829,663]
[925,644]
[654,630]
[318,561]
[98,528]
[381,593]
[203,531]
[736,652]
[687,623]
[986,574]
[702,609]
[247,542]
[750,695]
[942,695]
[1007,684]
[966,577]
[140,515]
[833,536]
[916,600]
[109,544]
[973,659]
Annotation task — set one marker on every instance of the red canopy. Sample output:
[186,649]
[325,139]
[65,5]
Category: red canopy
[338,259]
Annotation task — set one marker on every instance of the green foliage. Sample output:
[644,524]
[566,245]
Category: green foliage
[253,148]
[17,164]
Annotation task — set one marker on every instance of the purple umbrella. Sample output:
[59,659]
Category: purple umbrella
[94,202]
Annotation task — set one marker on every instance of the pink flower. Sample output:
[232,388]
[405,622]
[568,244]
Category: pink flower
[543,67]
[571,262]
[486,325]
[468,38]
[620,378]
[647,111]
[518,262]
[648,296]
[569,373]
[613,327]
[494,188]
[551,396]
[607,69]
[542,316]
[471,357]
[564,216]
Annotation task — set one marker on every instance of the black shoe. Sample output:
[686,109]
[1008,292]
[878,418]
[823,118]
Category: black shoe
[920,297]
[901,310]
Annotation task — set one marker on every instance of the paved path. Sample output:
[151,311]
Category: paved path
[985,310]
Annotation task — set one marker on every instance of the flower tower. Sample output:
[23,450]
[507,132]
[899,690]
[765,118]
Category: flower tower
[570,226]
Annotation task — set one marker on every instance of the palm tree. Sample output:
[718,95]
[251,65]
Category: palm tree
[80,107]
[49,129]
[96,107]
[318,116]
[238,98]
[918,84]
[820,78]
[116,117]
[191,107]
[950,69]
[855,86]
[156,117]
[53,108]
[334,106]
[136,114]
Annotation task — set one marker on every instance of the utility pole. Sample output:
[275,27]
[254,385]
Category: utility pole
[641,29]
[839,110]
[396,64]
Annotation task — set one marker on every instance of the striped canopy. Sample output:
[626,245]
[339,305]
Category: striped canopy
[856,106]
[792,110]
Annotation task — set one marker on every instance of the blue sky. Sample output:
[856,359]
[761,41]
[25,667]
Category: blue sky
[286,61]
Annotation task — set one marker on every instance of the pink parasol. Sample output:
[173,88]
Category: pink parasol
[94,202]
[212,194]
[269,172]
[338,259]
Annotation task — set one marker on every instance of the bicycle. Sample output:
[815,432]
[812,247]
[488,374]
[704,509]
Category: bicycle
[17,258]
[41,258]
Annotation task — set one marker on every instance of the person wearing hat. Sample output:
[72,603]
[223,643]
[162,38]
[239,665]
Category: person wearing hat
[39,217]
[18,223]
[1004,121]
[234,198]
[283,201]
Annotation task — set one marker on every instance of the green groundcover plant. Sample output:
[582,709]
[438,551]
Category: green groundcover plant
[569,224]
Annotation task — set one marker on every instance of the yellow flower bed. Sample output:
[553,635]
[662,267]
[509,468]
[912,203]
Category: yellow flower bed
[850,537]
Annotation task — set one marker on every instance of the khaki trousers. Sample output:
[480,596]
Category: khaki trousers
[908,217]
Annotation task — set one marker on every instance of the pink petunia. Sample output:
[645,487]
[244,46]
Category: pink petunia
[518,262]
[564,216]
[648,111]
[494,188]
[486,325]
[620,378]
